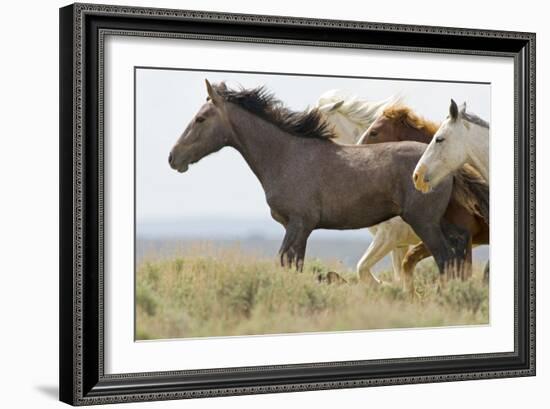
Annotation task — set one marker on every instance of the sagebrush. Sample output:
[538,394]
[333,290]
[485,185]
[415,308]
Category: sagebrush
[209,292]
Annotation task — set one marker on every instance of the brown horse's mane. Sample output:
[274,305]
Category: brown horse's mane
[263,103]
[406,115]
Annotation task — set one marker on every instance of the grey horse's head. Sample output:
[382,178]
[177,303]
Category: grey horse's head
[206,133]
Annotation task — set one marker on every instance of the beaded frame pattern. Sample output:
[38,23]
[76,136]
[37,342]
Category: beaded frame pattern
[81,10]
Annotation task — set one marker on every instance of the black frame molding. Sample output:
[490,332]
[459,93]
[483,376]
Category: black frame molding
[83,28]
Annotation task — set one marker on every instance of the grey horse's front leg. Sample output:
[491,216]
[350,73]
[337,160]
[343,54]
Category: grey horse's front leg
[289,238]
[293,248]
[300,249]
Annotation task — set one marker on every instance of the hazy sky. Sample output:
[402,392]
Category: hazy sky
[221,186]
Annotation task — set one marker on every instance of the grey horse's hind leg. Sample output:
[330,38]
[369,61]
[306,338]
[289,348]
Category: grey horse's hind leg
[436,242]
[460,239]
[447,243]
[424,213]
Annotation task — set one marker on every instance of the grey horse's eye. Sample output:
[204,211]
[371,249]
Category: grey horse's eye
[439,139]
[200,119]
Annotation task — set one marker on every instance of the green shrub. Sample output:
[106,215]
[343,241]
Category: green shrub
[222,293]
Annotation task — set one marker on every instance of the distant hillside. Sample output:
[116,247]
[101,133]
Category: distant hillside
[345,251]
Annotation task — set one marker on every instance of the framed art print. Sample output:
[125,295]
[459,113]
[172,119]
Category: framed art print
[255,204]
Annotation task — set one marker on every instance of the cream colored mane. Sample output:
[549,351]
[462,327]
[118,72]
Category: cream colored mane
[358,110]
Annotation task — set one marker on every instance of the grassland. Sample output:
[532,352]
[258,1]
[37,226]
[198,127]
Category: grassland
[211,292]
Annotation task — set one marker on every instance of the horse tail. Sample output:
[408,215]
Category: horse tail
[472,192]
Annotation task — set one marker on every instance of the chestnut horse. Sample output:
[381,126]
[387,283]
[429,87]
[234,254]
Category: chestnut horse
[399,123]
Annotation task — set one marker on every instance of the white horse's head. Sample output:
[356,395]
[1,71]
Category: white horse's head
[330,105]
[447,151]
[349,116]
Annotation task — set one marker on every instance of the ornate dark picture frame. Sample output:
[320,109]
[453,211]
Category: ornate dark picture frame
[83,28]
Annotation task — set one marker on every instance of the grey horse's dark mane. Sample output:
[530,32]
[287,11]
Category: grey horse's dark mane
[473,118]
[263,103]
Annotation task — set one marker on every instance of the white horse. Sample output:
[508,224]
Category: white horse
[350,118]
[462,138]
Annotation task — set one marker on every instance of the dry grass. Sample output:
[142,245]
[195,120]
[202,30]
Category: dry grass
[210,292]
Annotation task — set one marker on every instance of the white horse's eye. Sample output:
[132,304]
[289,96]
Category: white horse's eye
[439,139]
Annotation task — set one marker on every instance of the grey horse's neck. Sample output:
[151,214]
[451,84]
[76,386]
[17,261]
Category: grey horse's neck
[262,144]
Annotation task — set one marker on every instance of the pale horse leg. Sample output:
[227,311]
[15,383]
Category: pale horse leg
[393,234]
[397,256]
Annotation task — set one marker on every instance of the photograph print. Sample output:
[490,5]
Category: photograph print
[280,203]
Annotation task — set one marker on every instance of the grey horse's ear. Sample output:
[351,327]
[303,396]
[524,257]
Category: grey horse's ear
[462,109]
[336,106]
[453,110]
[212,94]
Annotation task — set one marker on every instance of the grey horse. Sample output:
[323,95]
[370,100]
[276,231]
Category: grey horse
[310,182]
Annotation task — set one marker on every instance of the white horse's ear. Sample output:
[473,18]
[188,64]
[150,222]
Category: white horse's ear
[336,106]
[332,106]
[212,94]
[453,110]
[462,108]
[323,108]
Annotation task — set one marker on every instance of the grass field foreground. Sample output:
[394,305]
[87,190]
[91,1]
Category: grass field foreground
[206,292]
